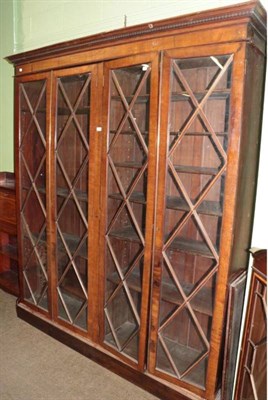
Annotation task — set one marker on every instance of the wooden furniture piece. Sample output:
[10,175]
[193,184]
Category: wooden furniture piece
[8,235]
[236,297]
[252,372]
[136,155]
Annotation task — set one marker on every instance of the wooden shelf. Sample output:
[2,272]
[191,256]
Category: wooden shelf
[63,192]
[201,302]
[128,164]
[191,169]
[72,243]
[144,98]
[183,356]
[127,233]
[73,303]
[135,197]
[38,111]
[81,195]
[220,94]
[60,111]
[73,292]
[207,207]
[66,111]
[123,332]
[144,133]
[219,134]
[190,246]
[134,281]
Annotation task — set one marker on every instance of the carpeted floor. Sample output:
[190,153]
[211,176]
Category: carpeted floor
[34,366]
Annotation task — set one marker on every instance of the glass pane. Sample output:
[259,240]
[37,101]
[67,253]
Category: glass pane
[126,206]
[198,139]
[72,149]
[32,153]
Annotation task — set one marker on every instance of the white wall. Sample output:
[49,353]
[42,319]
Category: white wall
[40,23]
[6,87]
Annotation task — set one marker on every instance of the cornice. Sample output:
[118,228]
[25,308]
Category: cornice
[250,12]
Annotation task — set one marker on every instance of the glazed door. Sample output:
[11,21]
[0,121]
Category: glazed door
[32,110]
[130,89]
[192,174]
[75,151]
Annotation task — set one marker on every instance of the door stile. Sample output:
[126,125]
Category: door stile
[17,139]
[103,195]
[160,205]
[50,194]
[150,214]
[94,210]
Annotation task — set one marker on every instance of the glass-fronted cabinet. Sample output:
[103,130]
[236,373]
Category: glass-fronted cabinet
[54,189]
[72,159]
[136,167]
[197,126]
[127,237]
[32,160]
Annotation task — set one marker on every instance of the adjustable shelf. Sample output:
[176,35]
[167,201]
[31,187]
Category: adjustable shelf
[144,98]
[191,169]
[135,197]
[73,301]
[78,111]
[68,287]
[207,207]
[202,301]
[80,194]
[63,192]
[183,356]
[220,94]
[123,332]
[128,164]
[134,281]
[219,134]
[129,132]
[72,242]
[38,111]
[190,246]
[127,233]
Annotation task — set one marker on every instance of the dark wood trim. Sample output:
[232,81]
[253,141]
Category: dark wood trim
[7,180]
[246,365]
[8,233]
[260,262]
[87,349]
[252,10]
